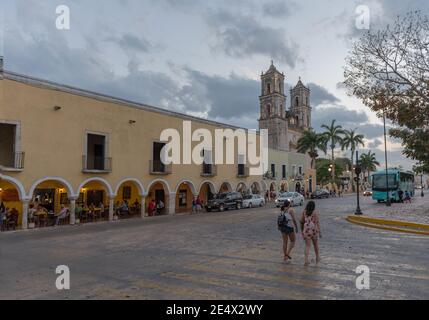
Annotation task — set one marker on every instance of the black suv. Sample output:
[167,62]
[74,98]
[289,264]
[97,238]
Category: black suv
[225,201]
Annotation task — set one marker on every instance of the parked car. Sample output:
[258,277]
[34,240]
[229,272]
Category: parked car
[367,193]
[253,200]
[225,201]
[295,199]
[320,194]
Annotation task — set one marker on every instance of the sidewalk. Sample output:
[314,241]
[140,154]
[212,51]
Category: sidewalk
[417,211]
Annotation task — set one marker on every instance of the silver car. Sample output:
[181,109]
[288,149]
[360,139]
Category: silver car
[295,199]
[253,200]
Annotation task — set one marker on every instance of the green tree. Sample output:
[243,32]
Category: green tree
[388,69]
[324,176]
[351,141]
[369,162]
[333,135]
[310,143]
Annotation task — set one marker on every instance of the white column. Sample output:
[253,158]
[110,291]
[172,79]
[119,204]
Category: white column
[25,204]
[143,206]
[111,208]
[72,209]
[172,204]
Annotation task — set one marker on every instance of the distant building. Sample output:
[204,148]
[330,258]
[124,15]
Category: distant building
[289,170]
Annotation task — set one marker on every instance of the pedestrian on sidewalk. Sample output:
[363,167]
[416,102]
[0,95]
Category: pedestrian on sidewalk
[310,228]
[401,196]
[194,205]
[199,204]
[287,226]
[407,197]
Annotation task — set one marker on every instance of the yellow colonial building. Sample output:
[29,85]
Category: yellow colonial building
[66,146]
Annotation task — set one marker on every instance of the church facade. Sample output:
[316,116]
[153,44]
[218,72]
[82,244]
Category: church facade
[288,170]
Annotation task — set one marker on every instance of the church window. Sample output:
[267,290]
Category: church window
[297,101]
[269,88]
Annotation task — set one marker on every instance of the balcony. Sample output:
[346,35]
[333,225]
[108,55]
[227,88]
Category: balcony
[12,162]
[208,170]
[93,164]
[243,171]
[156,167]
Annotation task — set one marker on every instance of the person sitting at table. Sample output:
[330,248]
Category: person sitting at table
[12,218]
[137,206]
[78,211]
[31,212]
[124,207]
[62,215]
[159,207]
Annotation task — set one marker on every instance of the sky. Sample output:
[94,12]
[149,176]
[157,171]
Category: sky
[202,58]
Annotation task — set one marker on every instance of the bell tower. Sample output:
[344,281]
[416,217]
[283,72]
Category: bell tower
[300,105]
[272,108]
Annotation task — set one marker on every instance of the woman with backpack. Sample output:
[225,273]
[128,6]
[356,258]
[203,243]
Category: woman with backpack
[284,222]
[310,227]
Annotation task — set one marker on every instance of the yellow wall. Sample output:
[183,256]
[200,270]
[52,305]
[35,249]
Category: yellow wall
[53,141]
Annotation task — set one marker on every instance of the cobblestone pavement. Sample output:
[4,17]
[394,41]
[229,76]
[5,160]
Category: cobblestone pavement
[417,211]
[230,255]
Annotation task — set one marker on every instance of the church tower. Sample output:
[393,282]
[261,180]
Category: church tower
[272,108]
[300,110]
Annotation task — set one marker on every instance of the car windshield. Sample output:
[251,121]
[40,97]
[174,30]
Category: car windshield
[248,197]
[221,196]
[287,195]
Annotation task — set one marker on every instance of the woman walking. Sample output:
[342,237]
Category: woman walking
[310,227]
[285,220]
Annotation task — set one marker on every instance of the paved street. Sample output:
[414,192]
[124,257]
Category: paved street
[230,255]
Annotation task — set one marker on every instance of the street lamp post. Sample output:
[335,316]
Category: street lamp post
[421,184]
[388,203]
[358,171]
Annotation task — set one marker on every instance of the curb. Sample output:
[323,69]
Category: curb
[391,225]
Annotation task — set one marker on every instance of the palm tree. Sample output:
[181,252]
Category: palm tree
[351,141]
[310,142]
[369,162]
[333,136]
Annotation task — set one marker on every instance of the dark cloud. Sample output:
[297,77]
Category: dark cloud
[229,97]
[243,36]
[277,9]
[375,144]
[129,41]
[319,95]
[345,117]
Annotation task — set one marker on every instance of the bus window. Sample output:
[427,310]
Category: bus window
[379,182]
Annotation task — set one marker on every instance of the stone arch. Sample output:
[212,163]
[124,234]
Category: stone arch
[211,184]
[17,184]
[256,186]
[189,183]
[96,179]
[161,181]
[164,194]
[241,187]
[140,187]
[228,186]
[60,180]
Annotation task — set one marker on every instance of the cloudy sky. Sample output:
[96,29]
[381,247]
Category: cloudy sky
[200,57]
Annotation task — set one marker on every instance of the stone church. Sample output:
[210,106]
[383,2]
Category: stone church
[289,170]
